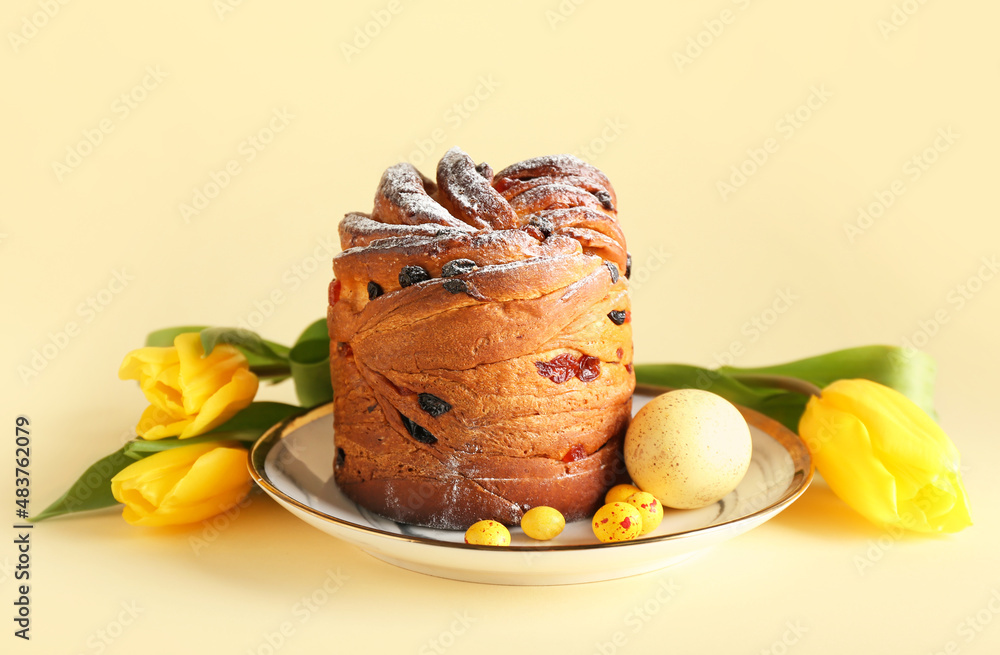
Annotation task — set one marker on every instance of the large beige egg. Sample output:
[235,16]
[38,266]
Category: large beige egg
[689,448]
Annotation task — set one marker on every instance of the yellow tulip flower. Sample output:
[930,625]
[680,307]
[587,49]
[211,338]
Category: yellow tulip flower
[885,457]
[183,485]
[189,394]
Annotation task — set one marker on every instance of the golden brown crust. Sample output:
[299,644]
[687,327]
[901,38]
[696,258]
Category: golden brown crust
[529,376]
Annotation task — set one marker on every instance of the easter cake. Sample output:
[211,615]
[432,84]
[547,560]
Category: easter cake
[481,343]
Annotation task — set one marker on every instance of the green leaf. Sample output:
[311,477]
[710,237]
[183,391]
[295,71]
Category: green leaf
[682,376]
[247,426]
[783,406]
[246,340]
[310,362]
[267,359]
[910,373]
[317,330]
[92,490]
[165,337]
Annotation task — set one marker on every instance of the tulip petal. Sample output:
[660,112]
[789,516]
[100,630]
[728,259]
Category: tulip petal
[183,485]
[155,424]
[844,456]
[201,376]
[900,443]
[224,403]
[183,457]
[188,393]
[887,412]
[140,361]
[218,470]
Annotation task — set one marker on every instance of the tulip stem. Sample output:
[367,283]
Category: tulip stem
[796,385]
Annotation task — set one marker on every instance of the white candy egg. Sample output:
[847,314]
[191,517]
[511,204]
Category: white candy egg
[689,448]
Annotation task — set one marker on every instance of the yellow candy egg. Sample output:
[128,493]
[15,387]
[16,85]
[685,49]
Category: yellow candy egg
[543,523]
[617,522]
[619,493]
[650,509]
[488,533]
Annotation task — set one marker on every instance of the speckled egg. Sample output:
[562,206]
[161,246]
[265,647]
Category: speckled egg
[488,533]
[543,523]
[689,448]
[620,493]
[650,509]
[617,522]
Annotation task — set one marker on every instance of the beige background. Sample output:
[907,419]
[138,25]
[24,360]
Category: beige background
[844,96]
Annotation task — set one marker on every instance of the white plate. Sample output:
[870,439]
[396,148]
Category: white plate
[293,462]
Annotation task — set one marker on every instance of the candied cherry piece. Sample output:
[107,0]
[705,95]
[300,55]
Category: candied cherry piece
[575,453]
[590,368]
[335,291]
[565,367]
[560,369]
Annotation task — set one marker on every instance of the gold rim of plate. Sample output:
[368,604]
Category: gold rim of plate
[791,442]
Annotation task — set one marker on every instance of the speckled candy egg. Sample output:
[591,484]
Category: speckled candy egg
[617,522]
[650,509]
[689,448]
[487,533]
[620,493]
[543,523]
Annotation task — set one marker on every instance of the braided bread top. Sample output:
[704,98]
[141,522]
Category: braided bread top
[555,205]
